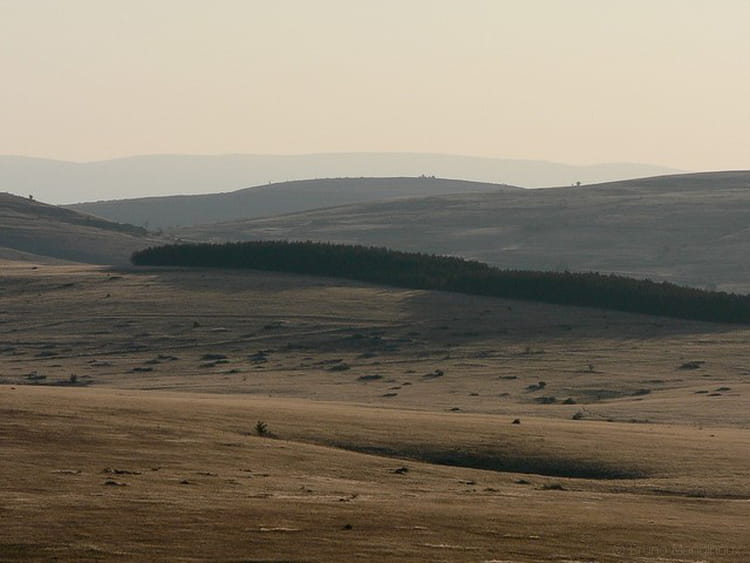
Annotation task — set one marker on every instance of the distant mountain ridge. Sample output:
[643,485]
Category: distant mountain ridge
[59,182]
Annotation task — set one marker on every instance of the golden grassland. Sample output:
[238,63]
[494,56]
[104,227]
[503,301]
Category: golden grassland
[129,400]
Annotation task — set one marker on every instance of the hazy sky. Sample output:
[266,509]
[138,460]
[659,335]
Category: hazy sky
[576,81]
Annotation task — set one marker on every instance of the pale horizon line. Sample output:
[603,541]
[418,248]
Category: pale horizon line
[355,153]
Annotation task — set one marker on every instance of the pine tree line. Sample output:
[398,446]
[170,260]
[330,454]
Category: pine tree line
[425,271]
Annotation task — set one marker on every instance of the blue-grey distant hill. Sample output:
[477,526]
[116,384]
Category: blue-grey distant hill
[158,175]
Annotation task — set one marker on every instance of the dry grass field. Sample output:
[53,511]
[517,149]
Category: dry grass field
[129,400]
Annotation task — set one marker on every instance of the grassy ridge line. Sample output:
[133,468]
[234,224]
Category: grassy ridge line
[424,271]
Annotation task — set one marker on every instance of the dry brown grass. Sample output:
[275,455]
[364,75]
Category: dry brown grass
[670,489]
[249,498]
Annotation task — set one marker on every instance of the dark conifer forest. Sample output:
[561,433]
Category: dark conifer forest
[445,273]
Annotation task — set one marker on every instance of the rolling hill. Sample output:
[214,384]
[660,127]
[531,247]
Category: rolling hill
[34,231]
[689,229]
[273,199]
[156,175]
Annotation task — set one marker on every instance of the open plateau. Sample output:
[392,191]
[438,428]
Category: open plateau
[189,413]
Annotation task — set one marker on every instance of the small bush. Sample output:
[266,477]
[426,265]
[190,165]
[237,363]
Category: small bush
[373,377]
[261,429]
[552,487]
[545,400]
[213,357]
